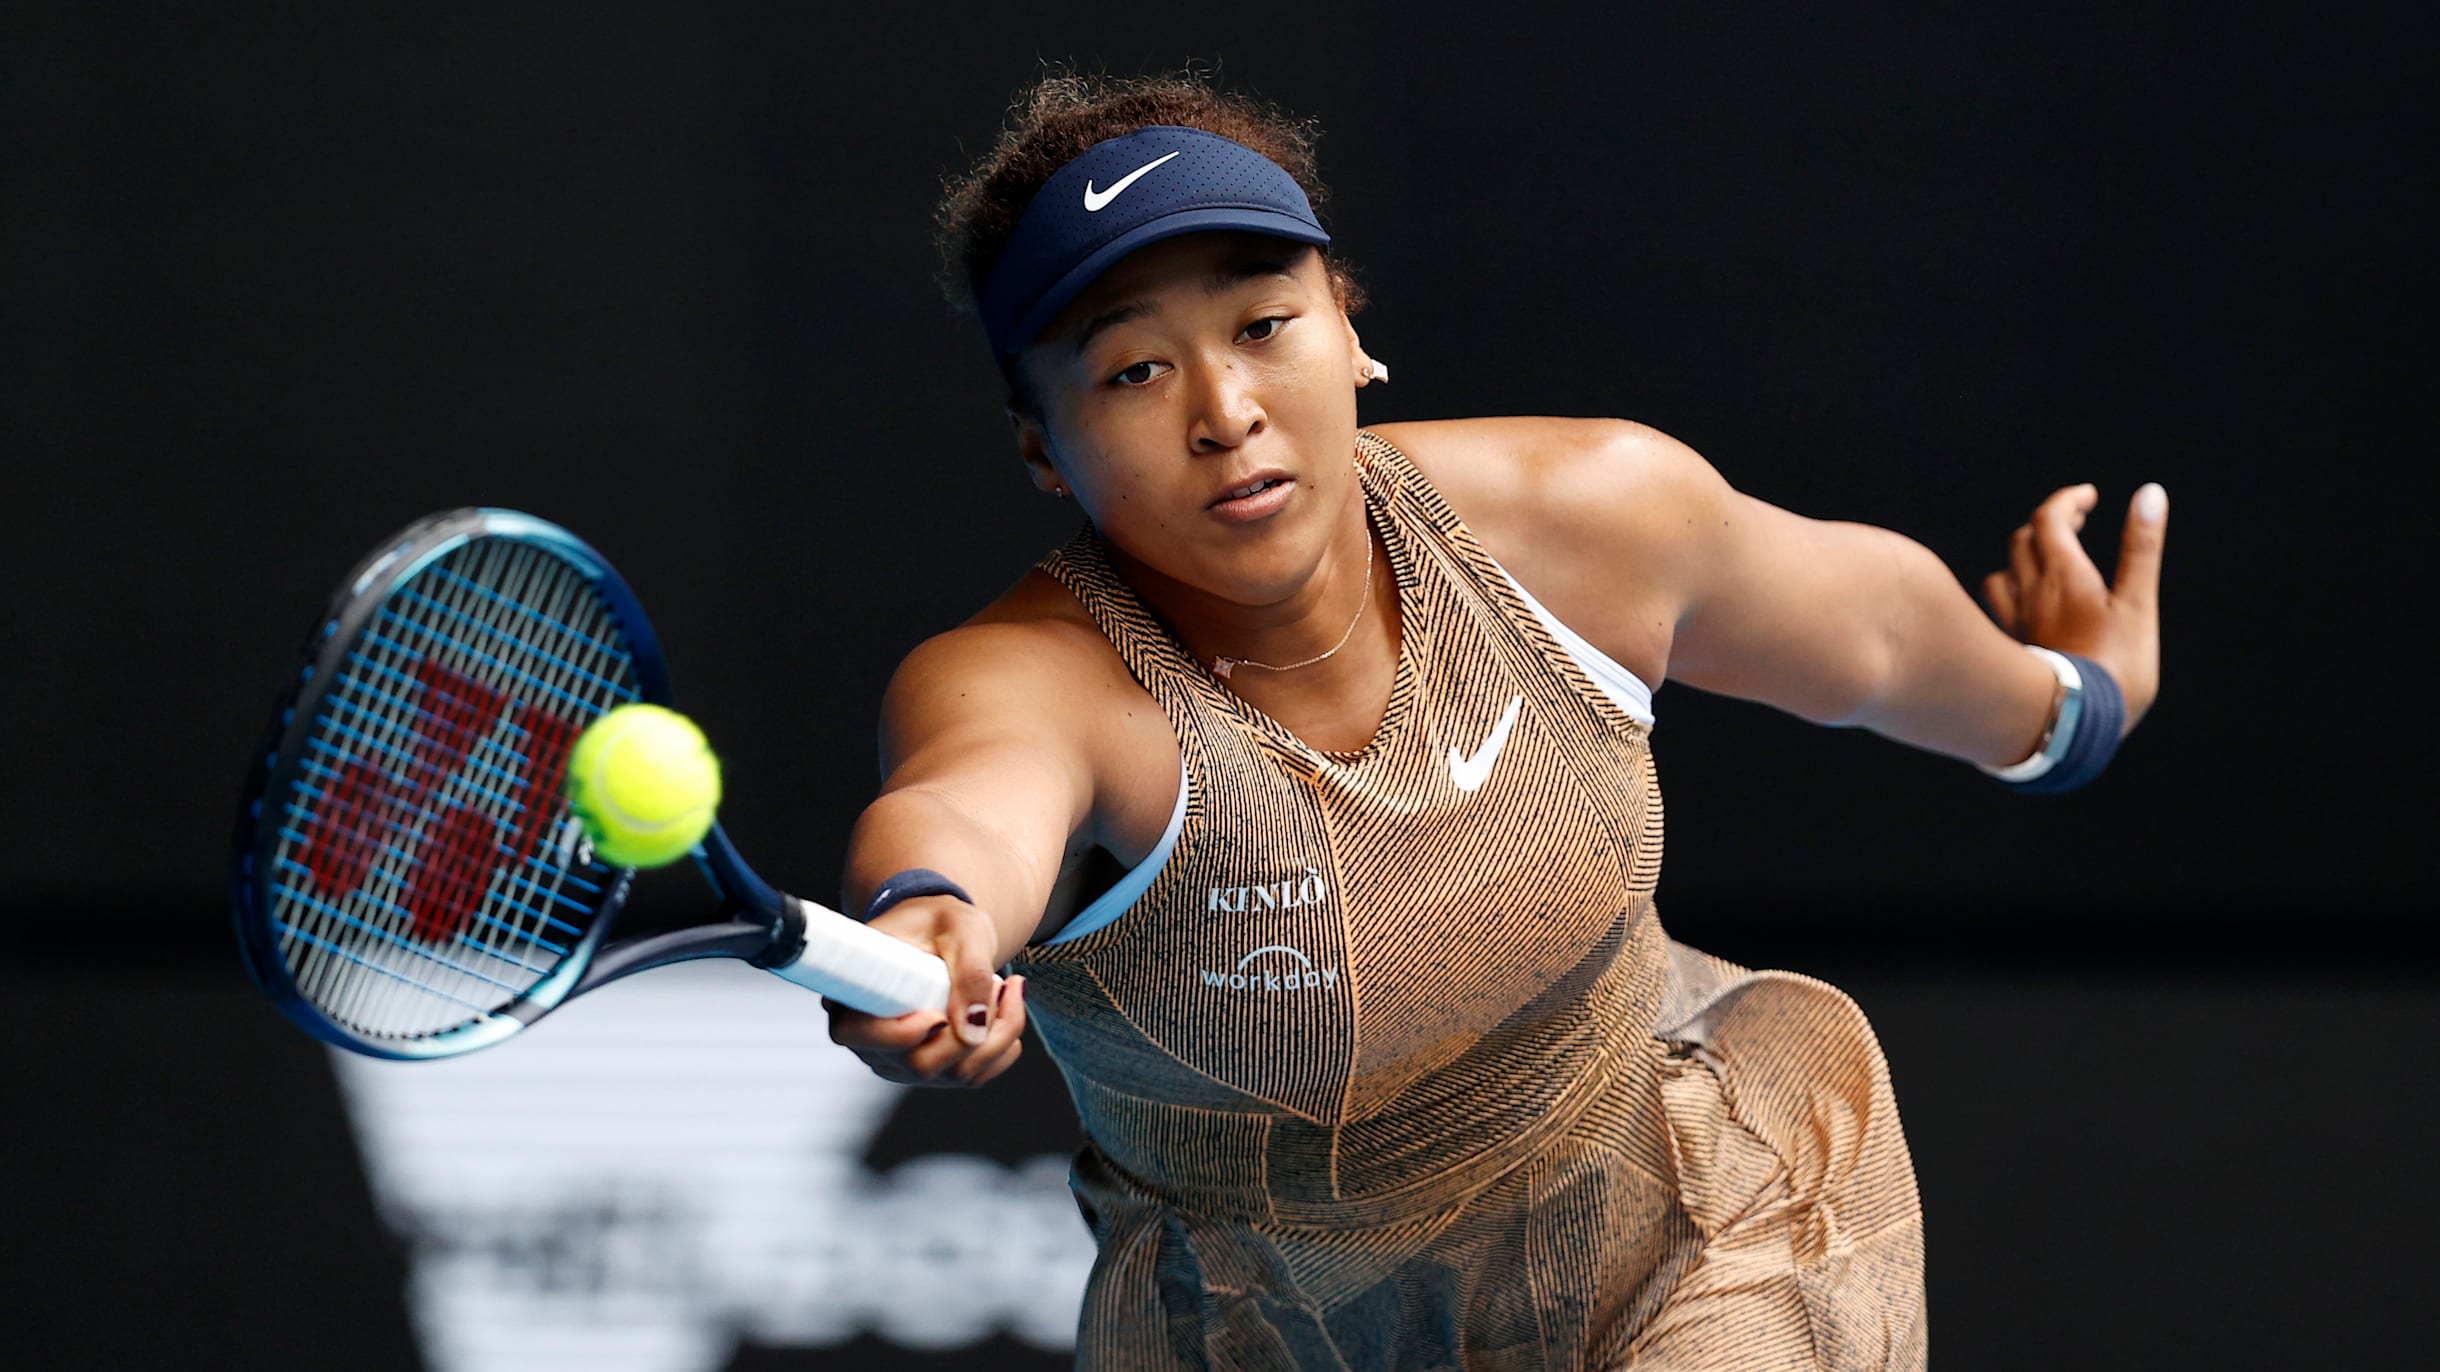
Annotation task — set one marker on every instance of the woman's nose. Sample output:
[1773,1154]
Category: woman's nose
[1227,412]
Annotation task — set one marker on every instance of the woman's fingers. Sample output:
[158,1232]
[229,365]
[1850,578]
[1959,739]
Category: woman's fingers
[2023,563]
[986,1065]
[2050,585]
[947,1060]
[896,1034]
[2139,548]
[974,988]
[2055,525]
[965,1041]
[968,1040]
[1999,592]
[951,1044]
[1006,1042]
[2053,594]
[962,937]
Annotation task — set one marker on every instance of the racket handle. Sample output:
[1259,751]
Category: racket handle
[860,966]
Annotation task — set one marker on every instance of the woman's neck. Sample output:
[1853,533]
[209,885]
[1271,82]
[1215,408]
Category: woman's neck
[1321,662]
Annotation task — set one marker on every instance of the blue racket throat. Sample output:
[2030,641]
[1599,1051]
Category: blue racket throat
[408,879]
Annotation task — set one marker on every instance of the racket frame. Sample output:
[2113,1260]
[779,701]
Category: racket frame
[763,926]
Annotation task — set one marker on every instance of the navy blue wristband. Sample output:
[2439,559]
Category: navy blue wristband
[906,885]
[2104,717]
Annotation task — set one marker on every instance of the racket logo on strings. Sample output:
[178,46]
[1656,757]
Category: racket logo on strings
[478,764]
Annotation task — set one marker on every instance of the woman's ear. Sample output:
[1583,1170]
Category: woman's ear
[1034,450]
[1367,370]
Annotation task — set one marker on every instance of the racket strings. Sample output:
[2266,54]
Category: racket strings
[428,874]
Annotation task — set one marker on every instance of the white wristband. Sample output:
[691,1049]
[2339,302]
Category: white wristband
[2062,731]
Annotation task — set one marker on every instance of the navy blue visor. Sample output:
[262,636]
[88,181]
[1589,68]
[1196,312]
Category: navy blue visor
[1122,194]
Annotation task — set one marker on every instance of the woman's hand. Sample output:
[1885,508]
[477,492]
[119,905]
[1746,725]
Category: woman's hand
[935,1047]
[2051,593]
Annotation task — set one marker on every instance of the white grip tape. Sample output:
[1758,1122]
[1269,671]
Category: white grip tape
[863,967]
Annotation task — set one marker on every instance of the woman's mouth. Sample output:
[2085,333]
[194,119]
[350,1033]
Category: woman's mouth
[1254,499]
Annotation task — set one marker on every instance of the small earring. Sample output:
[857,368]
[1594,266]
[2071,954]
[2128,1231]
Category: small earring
[1375,371]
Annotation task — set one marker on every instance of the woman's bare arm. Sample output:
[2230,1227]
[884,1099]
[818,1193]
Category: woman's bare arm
[989,776]
[1848,624]
[1636,542]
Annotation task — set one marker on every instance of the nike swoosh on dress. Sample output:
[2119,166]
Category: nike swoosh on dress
[1471,772]
[1094,200]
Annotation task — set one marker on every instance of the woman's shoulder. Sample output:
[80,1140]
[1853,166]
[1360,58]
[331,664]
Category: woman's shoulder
[1031,671]
[1522,481]
[1033,630]
[1032,650]
[1594,517]
[1029,659]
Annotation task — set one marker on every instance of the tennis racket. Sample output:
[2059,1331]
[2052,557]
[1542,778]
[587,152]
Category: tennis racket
[409,882]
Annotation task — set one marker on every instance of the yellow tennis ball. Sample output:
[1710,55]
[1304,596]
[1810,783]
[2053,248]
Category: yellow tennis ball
[644,784]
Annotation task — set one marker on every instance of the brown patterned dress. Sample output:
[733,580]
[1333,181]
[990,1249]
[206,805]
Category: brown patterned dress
[1392,1066]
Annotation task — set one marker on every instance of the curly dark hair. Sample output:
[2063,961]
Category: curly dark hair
[1053,121]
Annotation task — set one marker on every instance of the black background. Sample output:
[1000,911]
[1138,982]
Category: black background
[278,283]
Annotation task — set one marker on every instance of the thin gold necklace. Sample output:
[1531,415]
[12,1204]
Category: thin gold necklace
[1222,666]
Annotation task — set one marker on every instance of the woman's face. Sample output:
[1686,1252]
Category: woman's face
[1195,369]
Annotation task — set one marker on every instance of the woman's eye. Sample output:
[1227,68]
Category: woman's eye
[1138,375]
[1261,329]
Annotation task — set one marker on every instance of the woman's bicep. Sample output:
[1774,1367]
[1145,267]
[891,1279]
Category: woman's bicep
[985,778]
[1802,614]
[1794,613]
[991,722]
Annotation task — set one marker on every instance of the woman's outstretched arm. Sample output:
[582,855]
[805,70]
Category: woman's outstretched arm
[1848,624]
[1639,545]
[988,774]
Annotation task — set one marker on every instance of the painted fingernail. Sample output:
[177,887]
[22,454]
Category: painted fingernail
[977,1015]
[2151,503]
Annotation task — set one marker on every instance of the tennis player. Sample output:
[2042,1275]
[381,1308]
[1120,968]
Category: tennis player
[1307,799]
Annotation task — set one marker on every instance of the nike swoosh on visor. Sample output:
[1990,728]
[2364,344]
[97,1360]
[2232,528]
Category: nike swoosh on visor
[1094,200]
